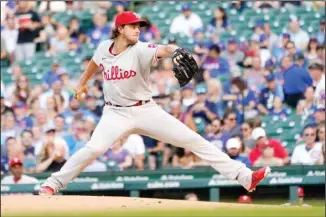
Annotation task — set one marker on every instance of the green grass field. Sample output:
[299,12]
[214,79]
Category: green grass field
[228,212]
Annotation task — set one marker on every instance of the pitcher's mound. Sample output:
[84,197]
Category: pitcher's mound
[35,204]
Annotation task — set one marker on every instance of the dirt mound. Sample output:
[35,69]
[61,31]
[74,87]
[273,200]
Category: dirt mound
[35,204]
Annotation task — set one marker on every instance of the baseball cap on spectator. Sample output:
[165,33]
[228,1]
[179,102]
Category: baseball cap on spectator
[286,35]
[120,3]
[15,161]
[259,24]
[316,64]
[188,86]
[233,143]
[199,30]
[299,56]
[19,104]
[270,77]
[232,40]
[320,108]
[129,17]
[49,128]
[269,63]
[293,18]
[186,7]
[258,133]
[172,40]
[262,38]
[201,88]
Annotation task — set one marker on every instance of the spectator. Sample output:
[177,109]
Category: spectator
[9,127]
[266,4]
[77,138]
[213,64]
[318,117]
[186,159]
[272,38]
[202,108]
[54,106]
[22,90]
[232,53]
[10,36]
[101,29]
[56,89]
[291,49]
[300,60]
[186,118]
[296,81]
[215,95]
[75,31]
[119,156]
[14,148]
[321,134]
[230,125]
[219,23]
[267,157]
[41,120]
[93,109]
[309,153]
[4,107]
[154,149]
[187,22]
[317,73]
[238,5]
[17,177]
[279,51]
[321,32]
[246,135]
[311,53]
[258,30]
[60,42]
[29,161]
[242,99]
[48,26]
[53,153]
[53,75]
[259,135]
[264,52]
[278,110]
[307,106]
[22,120]
[233,147]
[134,144]
[149,33]
[55,6]
[96,166]
[200,45]
[321,52]
[217,136]
[268,94]
[29,22]
[299,36]
[254,75]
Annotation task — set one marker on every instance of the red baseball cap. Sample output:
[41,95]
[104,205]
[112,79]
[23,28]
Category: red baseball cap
[129,17]
[15,161]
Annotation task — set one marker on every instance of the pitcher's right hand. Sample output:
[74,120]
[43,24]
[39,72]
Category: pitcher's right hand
[79,91]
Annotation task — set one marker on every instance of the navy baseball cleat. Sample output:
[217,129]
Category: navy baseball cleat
[258,176]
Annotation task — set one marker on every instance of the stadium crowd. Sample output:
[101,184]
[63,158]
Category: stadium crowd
[239,83]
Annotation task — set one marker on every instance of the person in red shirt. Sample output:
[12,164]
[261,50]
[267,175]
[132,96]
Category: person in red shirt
[259,135]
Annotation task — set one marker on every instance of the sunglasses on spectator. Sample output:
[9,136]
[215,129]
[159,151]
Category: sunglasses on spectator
[307,134]
[231,119]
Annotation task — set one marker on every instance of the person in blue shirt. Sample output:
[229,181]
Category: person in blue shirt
[268,94]
[51,76]
[202,107]
[20,111]
[279,52]
[234,149]
[296,81]
[218,137]
[278,109]
[214,64]
[200,45]
[76,139]
[101,30]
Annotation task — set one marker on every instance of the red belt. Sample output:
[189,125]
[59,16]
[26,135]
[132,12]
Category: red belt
[141,102]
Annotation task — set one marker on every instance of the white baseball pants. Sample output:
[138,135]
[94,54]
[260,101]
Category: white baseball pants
[152,121]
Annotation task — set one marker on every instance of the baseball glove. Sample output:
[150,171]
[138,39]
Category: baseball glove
[184,66]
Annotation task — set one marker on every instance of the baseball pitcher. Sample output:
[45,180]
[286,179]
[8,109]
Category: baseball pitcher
[129,108]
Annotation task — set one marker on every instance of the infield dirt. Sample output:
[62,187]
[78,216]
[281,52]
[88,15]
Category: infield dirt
[36,204]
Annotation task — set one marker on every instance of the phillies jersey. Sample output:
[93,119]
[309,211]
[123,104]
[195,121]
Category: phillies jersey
[126,75]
